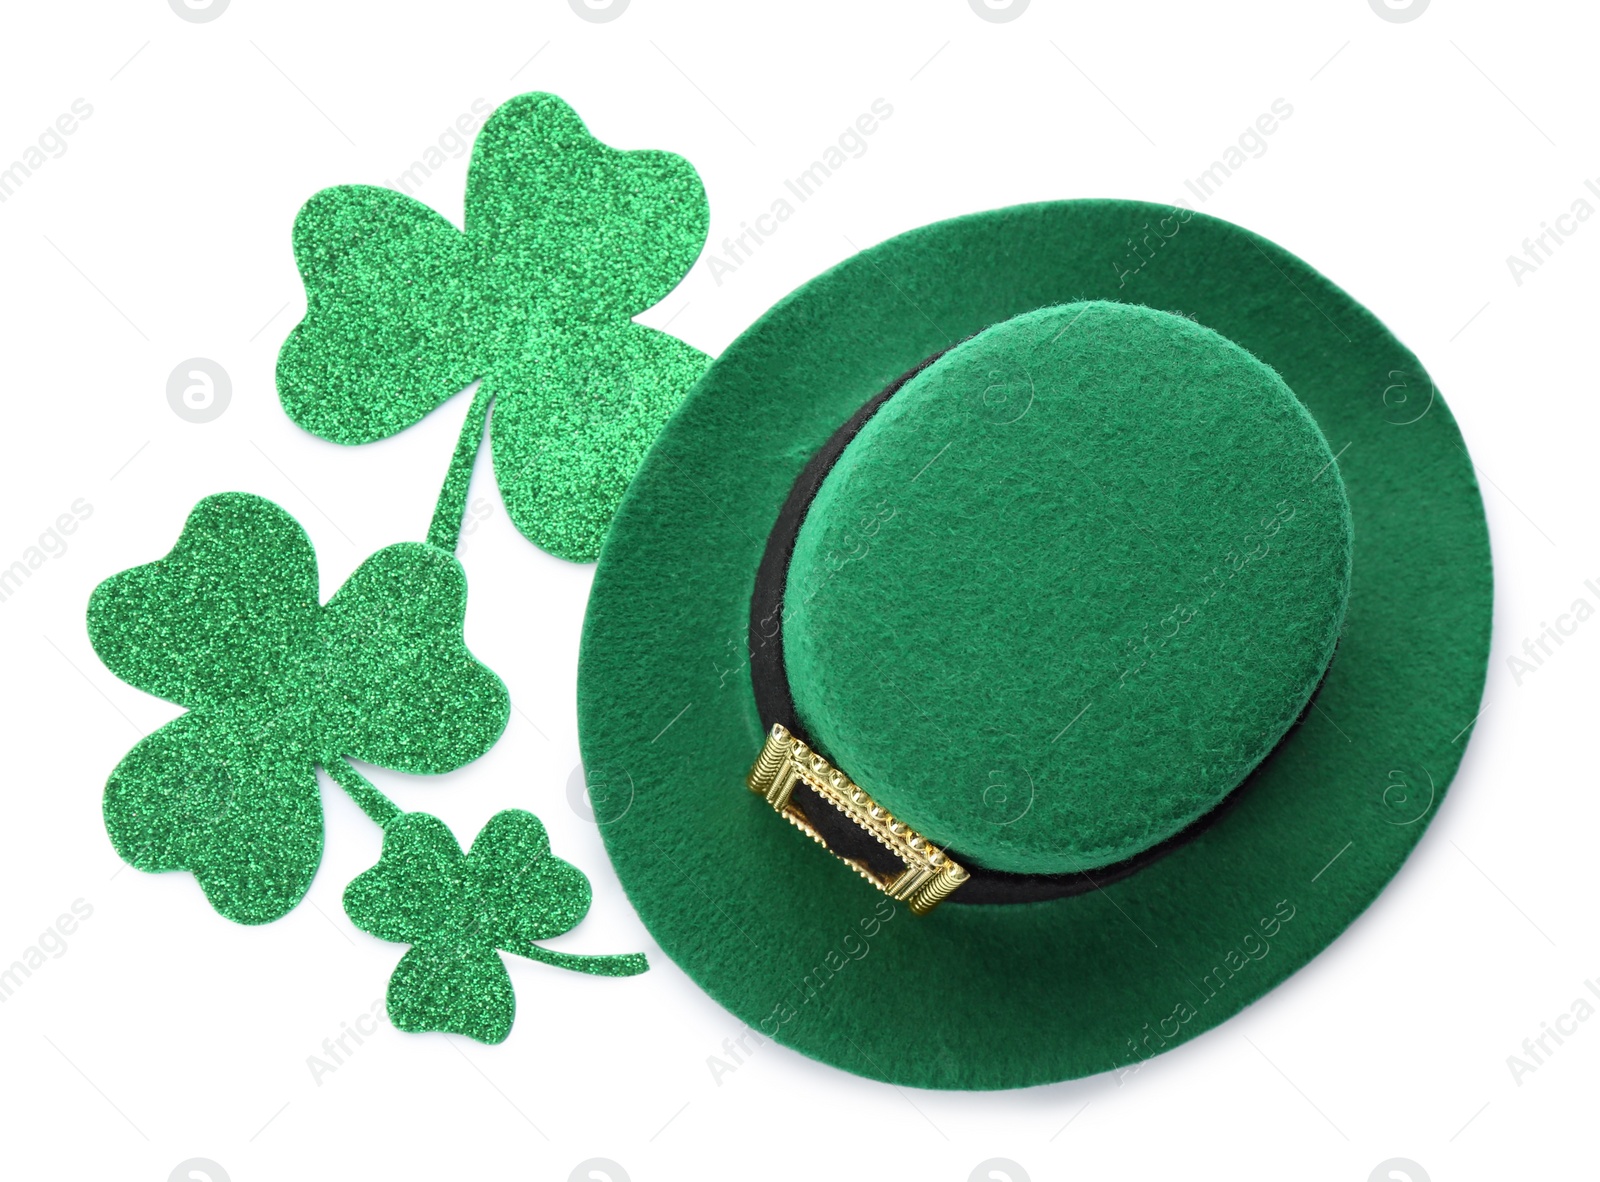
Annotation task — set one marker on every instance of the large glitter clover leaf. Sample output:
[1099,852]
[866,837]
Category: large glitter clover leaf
[458,911]
[566,240]
[275,683]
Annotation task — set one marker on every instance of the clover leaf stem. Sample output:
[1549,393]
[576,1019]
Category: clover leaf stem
[445,531]
[625,964]
[361,790]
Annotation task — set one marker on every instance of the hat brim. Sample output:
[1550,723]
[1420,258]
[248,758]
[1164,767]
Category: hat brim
[797,946]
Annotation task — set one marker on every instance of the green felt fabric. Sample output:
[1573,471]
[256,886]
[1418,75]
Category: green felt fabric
[1068,586]
[566,240]
[805,951]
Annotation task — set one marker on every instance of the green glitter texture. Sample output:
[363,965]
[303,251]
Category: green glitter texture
[229,625]
[445,530]
[456,910]
[566,240]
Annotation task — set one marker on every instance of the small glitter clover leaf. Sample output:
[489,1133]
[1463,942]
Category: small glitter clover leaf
[566,240]
[275,683]
[456,910]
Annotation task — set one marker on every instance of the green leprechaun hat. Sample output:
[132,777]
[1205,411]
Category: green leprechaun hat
[1121,625]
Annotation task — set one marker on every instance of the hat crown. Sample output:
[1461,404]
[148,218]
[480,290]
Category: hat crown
[1068,586]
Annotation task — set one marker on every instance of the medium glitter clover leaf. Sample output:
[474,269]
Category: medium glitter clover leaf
[456,910]
[566,240]
[275,683]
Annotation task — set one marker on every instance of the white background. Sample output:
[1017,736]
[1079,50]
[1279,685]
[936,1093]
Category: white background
[1418,157]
